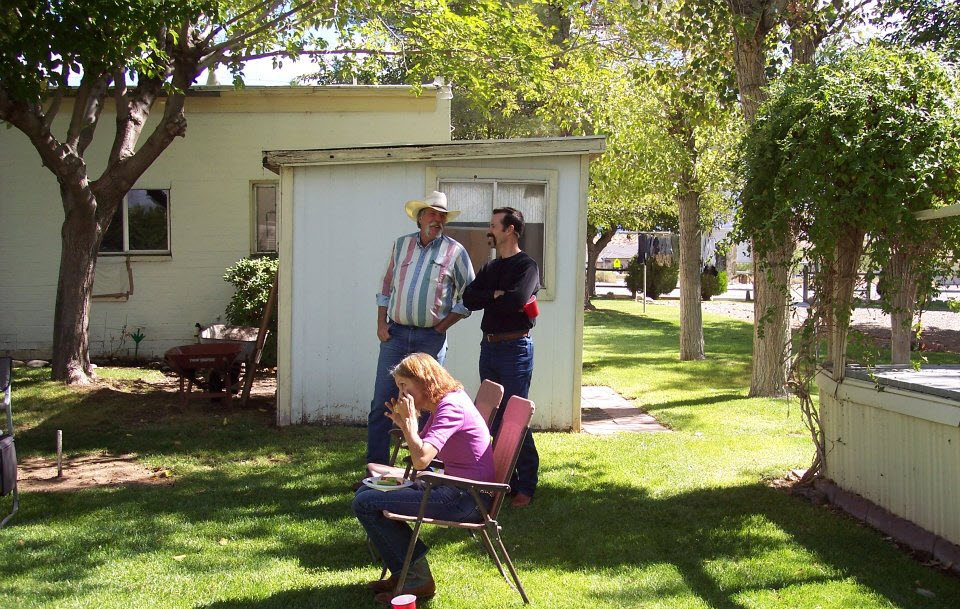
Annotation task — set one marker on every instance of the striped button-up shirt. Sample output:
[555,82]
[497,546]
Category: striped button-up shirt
[423,284]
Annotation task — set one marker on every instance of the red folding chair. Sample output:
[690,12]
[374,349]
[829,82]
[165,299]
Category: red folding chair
[506,449]
[488,400]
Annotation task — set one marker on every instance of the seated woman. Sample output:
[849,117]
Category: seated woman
[455,433]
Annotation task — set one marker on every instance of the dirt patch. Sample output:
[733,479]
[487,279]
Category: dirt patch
[39,474]
[264,386]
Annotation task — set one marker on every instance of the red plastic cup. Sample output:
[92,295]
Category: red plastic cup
[404,601]
[531,308]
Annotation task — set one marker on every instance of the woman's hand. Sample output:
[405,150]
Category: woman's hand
[403,412]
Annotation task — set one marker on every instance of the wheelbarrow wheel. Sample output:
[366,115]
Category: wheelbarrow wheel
[215,383]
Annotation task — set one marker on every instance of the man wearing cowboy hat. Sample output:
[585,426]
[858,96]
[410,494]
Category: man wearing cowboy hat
[419,299]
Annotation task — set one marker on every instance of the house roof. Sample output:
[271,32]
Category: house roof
[946,211]
[460,149]
[619,250]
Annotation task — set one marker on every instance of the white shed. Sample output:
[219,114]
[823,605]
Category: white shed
[339,210]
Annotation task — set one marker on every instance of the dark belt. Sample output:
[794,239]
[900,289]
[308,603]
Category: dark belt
[499,338]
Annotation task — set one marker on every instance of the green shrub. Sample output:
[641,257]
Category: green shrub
[711,284]
[662,273]
[253,278]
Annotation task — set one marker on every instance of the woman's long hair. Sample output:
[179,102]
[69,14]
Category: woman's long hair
[423,368]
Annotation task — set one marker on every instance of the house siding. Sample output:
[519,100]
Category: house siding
[900,449]
[209,175]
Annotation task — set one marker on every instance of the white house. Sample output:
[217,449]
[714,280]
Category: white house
[340,210]
[205,203]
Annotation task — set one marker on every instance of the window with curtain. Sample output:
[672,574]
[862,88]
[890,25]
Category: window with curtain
[265,212]
[476,199]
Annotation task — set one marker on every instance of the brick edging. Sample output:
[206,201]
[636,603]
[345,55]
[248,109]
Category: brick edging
[900,529]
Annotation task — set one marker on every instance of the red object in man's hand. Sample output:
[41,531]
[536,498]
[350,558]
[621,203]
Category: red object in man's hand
[531,308]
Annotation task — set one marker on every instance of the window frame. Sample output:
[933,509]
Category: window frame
[254,250]
[125,228]
[549,177]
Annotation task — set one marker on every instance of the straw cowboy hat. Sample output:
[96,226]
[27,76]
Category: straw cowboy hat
[434,200]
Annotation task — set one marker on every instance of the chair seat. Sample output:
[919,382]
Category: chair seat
[439,523]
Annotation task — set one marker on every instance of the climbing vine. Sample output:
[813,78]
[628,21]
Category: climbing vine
[843,155]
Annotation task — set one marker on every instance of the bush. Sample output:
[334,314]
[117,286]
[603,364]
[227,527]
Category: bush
[662,273]
[253,278]
[712,283]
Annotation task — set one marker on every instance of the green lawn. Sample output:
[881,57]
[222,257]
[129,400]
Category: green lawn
[669,520]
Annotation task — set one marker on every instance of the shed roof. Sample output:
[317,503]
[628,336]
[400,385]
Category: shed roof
[460,149]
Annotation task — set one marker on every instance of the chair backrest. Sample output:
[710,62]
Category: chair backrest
[506,446]
[488,400]
[6,365]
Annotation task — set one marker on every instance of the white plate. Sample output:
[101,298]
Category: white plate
[371,482]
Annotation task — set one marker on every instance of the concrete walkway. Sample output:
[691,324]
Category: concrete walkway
[604,411]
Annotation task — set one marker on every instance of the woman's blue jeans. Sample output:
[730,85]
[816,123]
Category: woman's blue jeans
[391,538]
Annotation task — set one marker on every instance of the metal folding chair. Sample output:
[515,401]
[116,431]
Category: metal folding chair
[506,449]
[489,396]
[8,452]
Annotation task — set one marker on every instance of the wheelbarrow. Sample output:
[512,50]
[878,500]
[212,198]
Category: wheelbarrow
[188,360]
[246,337]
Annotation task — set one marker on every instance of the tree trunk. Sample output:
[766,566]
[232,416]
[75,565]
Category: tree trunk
[901,282]
[594,248]
[750,62]
[688,202]
[848,251]
[771,335]
[80,239]
[771,328]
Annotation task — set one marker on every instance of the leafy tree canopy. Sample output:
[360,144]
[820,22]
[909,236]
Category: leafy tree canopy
[133,52]
[861,140]
[931,24]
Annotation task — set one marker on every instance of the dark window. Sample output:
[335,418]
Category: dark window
[141,223]
[265,201]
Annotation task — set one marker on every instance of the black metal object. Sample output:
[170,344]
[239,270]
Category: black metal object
[651,245]
[8,452]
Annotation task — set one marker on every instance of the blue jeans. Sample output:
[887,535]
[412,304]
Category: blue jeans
[510,363]
[403,341]
[391,538]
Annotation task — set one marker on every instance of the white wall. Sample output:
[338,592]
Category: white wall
[208,174]
[344,218]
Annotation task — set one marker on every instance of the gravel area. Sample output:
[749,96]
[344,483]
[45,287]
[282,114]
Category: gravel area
[941,329]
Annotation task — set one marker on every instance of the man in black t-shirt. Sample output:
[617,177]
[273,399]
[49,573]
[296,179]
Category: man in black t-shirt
[505,289]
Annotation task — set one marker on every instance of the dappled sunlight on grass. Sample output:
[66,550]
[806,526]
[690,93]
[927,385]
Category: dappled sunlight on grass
[259,517]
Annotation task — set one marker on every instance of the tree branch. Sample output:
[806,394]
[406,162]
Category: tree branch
[95,107]
[60,159]
[86,109]
[233,43]
[54,108]
[127,165]
[222,28]
[79,107]
[842,18]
